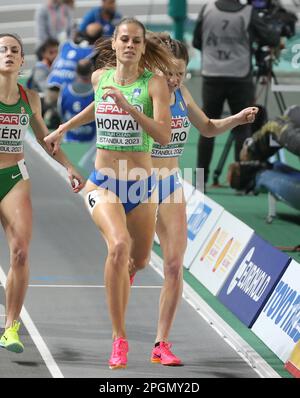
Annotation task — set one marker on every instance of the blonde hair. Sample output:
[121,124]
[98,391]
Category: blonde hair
[156,57]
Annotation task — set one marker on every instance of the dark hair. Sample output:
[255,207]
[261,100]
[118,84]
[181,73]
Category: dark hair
[90,38]
[179,50]
[84,68]
[16,37]
[241,175]
[156,57]
[43,47]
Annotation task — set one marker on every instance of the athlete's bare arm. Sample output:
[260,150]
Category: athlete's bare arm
[40,131]
[213,127]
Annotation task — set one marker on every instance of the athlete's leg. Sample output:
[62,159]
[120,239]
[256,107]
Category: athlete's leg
[109,216]
[16,218]
[141,227]
[171,229]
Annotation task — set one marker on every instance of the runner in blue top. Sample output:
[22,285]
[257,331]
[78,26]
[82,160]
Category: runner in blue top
[171,226]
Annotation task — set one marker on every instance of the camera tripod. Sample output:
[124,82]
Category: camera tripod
[266,79]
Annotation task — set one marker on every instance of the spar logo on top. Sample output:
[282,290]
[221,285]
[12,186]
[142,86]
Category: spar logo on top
[278,324]
[202,215]
[252,280]
[222,248]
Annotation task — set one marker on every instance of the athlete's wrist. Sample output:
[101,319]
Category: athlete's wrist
[235,120]
[63,128]
[69,167]
[131,110]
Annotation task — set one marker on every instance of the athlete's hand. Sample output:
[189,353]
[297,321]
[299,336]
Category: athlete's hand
[76,180]
[117,96]
[53,140]
[247,115]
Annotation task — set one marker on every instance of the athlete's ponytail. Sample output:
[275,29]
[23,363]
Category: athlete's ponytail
[177,48]
[106,57]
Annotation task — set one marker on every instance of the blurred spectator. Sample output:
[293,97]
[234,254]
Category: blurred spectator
[278,178]
[70,3]
[73,98]
[283,130]
[106,15]
[224,33]
[46,54]
[53,20]
[64,69]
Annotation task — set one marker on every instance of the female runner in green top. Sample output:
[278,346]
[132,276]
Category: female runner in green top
[19,108]
[131,110]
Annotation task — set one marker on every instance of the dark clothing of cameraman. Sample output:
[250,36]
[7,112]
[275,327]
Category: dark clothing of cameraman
[224,33]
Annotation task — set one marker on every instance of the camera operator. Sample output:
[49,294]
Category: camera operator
[284,130]
[224,33]
[255,173]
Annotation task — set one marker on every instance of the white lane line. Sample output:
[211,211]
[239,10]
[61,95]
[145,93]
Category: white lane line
[36,337]
[229,336]
[90,286]
[243,349]
[2,316]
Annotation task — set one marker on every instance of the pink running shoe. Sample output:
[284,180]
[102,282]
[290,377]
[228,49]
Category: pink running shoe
[118,358]
[131,278]
[163,354]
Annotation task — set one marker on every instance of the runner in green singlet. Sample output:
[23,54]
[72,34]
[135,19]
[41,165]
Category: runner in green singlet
[131,110]
[19,108]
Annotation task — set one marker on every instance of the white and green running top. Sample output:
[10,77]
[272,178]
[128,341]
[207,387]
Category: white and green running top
[116,129]
[14,122]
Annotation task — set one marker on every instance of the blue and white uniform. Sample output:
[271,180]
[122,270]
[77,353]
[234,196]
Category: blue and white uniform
[70,104]
[64,67]
[180,131]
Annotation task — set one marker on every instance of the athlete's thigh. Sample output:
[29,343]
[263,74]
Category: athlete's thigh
[16,213]
[171,226]
[141,227]
[108,214]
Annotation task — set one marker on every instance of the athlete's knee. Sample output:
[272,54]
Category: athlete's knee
[119,250]
[141,262]
[173,268]
[19,254]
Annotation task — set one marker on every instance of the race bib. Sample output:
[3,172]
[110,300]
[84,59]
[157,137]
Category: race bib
[13,128]
[117,127]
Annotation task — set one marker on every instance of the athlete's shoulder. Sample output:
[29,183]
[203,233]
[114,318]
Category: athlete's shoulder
[96,76]
[186,95]
[32,95]
[157,79]
[33,98]
[158,85]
